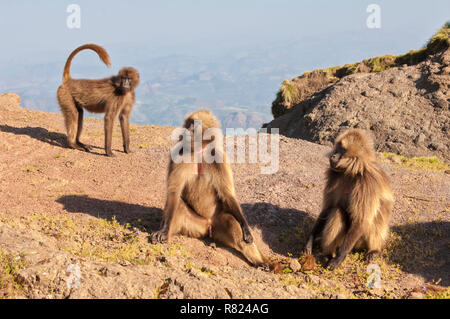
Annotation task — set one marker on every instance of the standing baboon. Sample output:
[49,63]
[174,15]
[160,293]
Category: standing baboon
[357,201]
[112,96]
[201,200]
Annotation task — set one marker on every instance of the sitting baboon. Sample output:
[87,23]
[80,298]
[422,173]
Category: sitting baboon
[201,199]
[357,201]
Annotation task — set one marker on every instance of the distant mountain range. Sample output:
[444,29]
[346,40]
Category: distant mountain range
[238,84]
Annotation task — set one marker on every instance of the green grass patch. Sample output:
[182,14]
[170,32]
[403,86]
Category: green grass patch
[416,163]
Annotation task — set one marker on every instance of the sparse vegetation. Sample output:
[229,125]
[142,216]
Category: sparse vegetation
[416,163]
[100,239]
[9,265]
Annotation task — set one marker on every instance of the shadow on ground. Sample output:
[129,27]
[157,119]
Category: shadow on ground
[423,249]
[284,230]
[38,133]
[52,138]
[122,212]
[419,248]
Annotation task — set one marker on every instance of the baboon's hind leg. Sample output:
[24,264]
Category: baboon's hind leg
[375,238]
[71,116]
[333,233]
[80,129]
[184,221]
[189,223]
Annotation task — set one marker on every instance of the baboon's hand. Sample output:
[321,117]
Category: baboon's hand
[159,237]
[248,238]
[308,247]
[127,150]
[110,154]
[334,263]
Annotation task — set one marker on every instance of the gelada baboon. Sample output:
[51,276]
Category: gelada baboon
[112,96]
[357,201]
[201,200]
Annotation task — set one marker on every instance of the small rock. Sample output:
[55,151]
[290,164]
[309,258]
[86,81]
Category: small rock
[436,146]
[69,164]
[125,263]
[395,159]
[162,259]
[197,273]
[313,279]
[210,269]
[419,139]
[104,271]
[291,289]
[416,295]
[295,265]
[309,262]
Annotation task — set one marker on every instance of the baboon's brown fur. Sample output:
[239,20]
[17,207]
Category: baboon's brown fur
[201,202]
[112,96]
[357,201]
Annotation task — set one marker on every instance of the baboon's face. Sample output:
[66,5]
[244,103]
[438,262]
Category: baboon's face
[336,156]
[126,80]
[351,148]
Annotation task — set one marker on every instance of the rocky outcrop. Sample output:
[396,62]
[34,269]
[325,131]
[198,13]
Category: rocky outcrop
[9,101]
[406,108]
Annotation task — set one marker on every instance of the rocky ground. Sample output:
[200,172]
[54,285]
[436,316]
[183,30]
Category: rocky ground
[65,213]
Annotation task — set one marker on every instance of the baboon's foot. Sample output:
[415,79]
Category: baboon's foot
[159,237]
[248,238]
[127,150]
[75,146]
[371,255]
[85,147]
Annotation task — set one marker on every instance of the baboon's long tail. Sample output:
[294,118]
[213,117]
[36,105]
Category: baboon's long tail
[98,49]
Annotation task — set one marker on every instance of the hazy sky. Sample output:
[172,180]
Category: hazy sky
[33,26]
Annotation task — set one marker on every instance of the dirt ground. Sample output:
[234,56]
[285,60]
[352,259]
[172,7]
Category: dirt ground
[74,217]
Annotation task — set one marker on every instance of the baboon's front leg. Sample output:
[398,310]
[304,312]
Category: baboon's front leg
[125,126]
[354,234]
[317,229]
[109,122]
[176,182]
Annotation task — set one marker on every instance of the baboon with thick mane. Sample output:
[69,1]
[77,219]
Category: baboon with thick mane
[113,96]
[357,201]
[201,199]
